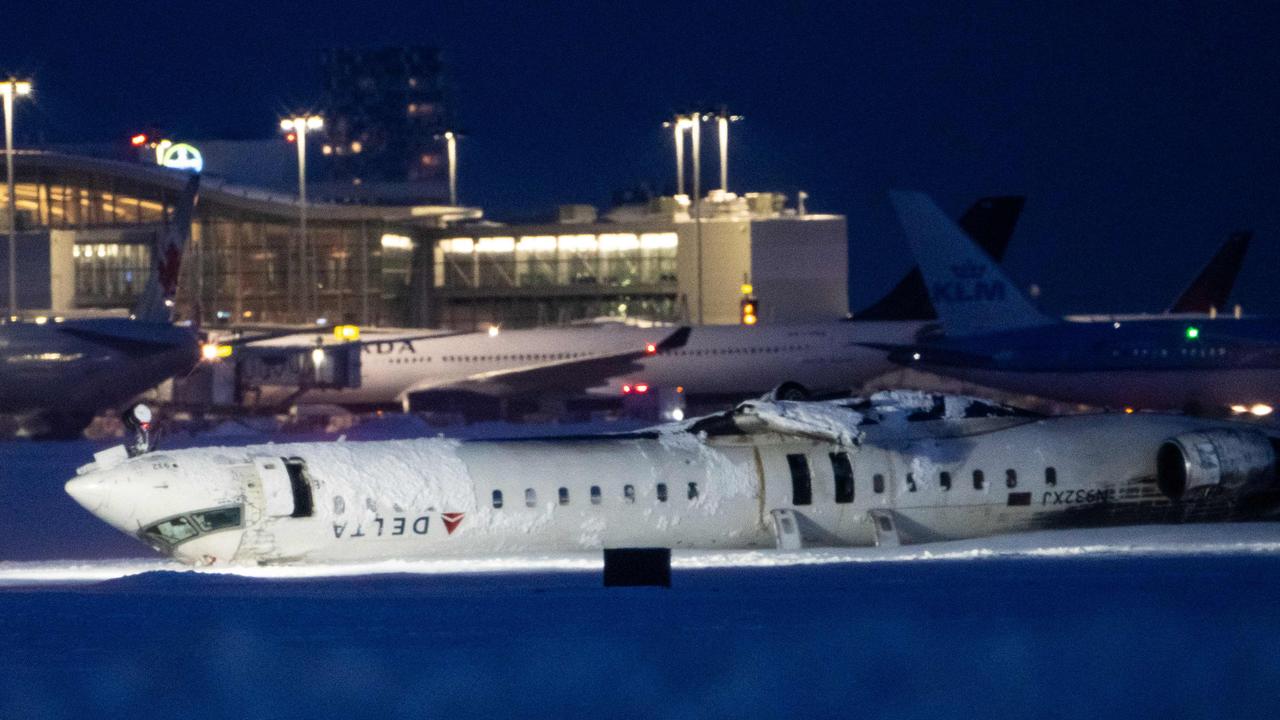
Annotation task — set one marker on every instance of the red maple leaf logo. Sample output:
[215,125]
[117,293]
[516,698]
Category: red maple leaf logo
[452,521]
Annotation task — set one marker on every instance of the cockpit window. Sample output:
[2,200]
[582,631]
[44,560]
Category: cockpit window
[173,530]
[219,519]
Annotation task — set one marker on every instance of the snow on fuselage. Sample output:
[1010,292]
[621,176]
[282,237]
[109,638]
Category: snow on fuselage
[946,478]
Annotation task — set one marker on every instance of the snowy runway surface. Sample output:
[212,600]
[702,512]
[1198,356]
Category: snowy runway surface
[1261,539]
[1177,622]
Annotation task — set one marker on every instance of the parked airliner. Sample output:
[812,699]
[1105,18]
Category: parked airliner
[894,468]
[63,372]
[994,336]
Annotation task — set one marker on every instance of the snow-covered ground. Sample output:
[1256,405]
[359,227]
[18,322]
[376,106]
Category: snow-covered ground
[1128,622]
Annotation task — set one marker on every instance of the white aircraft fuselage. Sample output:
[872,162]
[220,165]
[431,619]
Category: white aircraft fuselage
[768,474]
[716,360]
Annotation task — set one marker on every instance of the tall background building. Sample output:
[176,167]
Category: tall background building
[384,111]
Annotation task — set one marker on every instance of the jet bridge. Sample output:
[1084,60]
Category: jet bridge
[257,375]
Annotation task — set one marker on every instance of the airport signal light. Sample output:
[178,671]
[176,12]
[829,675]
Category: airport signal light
[1193,332]
[750,310]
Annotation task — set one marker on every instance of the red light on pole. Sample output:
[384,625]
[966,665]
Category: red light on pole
[138,140]
[290,137]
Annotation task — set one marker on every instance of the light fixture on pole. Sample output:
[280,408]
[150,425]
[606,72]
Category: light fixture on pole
[451,152]
[299,125]
[9,90]
[678,125]
[723,118]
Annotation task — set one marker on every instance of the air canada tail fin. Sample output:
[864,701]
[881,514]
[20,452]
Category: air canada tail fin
[970,292]
[989,221]
[1212,287]
[156,303]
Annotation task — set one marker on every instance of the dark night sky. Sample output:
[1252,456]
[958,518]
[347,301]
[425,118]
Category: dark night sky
[1141,132]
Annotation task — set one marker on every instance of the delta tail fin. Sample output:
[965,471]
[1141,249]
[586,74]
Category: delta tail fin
[1212,287]
[156,303]
[967,288]
[989,221]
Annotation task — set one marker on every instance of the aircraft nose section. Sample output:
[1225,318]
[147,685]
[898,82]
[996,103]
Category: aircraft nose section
[90,491]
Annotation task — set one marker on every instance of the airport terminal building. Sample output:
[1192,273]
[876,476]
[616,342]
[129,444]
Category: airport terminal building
[86,225]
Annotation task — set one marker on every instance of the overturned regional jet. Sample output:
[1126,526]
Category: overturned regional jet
[893,468]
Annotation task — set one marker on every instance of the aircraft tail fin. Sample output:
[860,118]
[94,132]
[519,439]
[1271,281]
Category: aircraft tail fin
[968,289]
[156,302]
[989,221]
[1211,289]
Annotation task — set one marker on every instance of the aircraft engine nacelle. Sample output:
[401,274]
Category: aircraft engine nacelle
[1196,464]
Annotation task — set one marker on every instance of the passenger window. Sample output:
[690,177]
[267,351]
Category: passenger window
[1050,476]
[944,479]
[911,482]
[843,471]
[497,499]
[979,480]
[564,496]
[530,498]
[629,493]
[801,482]
[877,483]
[693,491]
[595,494]
[662,492]
[1011,478]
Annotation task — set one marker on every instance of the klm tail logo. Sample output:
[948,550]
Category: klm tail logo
[967,286]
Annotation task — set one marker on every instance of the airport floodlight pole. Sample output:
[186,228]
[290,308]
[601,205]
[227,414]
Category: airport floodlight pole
[678,125]
[451,150]
[10,89]
[695,135]
[299,125]
[723,118]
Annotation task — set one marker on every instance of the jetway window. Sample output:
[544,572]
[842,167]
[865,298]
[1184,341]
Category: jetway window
[801,481]
[693,491]
[595,494]
[564,496]
[877,483]
[843,471]
[1011,478]
[944,479]
[1051,476]
[629,493]
[497,499]
[530,497]
[979,480]
[302,500]
[662,492]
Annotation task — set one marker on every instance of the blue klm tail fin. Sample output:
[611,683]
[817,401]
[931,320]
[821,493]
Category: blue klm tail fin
[970,292]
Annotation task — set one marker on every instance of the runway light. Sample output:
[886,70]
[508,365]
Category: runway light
[1260,410]
[138,140]
[650,348]
[1193,332]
